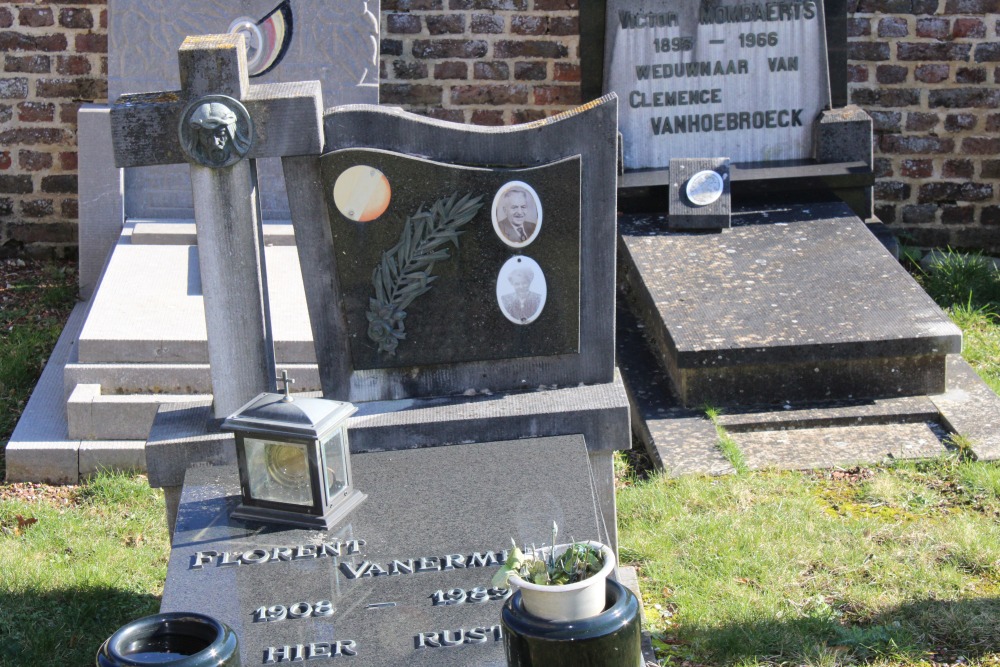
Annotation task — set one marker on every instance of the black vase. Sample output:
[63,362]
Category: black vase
[613,638]
[175,639]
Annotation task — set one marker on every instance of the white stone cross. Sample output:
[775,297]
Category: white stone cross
[220,123]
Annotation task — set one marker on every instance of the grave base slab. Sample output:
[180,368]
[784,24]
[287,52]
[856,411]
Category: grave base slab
[438,541]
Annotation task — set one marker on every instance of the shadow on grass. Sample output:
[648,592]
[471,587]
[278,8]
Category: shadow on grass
[916,631]
[65,627]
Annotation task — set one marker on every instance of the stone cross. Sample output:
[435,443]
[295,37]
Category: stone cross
[220,123]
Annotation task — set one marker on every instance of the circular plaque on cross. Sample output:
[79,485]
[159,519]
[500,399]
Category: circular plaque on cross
[704,188]
[216,131]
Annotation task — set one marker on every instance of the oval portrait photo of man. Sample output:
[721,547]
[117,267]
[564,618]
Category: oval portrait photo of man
[517,214]
[521,290]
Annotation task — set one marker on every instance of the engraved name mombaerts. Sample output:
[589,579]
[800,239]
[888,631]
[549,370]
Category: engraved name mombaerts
[314,651]
[275,554]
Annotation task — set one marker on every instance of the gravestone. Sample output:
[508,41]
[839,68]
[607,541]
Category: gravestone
[461,284]
[793,303]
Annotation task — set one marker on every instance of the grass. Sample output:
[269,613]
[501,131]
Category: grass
[77,565]
[727,444]
[890,565]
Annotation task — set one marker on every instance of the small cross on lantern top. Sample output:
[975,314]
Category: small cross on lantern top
[286,381]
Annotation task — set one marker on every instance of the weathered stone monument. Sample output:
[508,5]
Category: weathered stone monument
[461,286]
[140,339]
[791,315]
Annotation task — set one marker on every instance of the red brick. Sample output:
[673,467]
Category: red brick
[59,184]
[960,122]
[857,73]
[564,25]
[915,145]
[44,232]
[489,95]
[14,88]
[70,208]
[557,95]
[33,160]
[990,169]
[892,191]
[531,71]
[970,28]
[519,116]
[91,43]
[487,117]
[36,112]
[37,208]
[406,93]
[15,41]
[919,121]
[889,74]
[981,145]
[858,27]
[529,25]
[28,64]
[407,69]
[489,4]
[567,72]
[882,167]
[993,122]
[933,27]
[410,5]
[5,160]
[391,47]
[990,215]
[972,6]
[957,215]
[6,18]
[450,48]
[83,89]
[30,136]
[447,24]
[529,49]
[944,191]
[897,6]
[886,97]
[487,24]
[15,184]
[970,75]
[452,69]
[403,24]
[35,17]
[885,212]
[76,18]
[893,26]
[73,65]
[556,5]
[957,169]
[886,121]
[6,113]
[494,71]
[68,112]
[453,115]
[955,98]
[931,73]
[104,19]
[867,51]
[916,168]
[919,214]
[68,160]
[988,53]
[934,51]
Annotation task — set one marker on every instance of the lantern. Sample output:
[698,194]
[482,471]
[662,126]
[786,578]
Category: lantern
[294,460]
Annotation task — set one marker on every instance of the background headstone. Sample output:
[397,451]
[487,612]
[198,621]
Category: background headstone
[698,78]
[333,42]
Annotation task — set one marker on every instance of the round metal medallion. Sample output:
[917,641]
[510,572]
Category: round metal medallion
[216,131]
[704,187]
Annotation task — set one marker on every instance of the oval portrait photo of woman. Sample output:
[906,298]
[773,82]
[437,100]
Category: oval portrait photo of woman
[521,290]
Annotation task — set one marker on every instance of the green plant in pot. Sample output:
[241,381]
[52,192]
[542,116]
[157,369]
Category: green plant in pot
[562,582]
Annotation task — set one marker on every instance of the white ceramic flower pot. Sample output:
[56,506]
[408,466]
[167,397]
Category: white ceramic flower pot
[568,602]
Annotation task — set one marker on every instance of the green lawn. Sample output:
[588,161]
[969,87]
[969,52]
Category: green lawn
[888,565]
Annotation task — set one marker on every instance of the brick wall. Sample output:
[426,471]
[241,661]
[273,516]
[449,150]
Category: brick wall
[54,59]
[927,70]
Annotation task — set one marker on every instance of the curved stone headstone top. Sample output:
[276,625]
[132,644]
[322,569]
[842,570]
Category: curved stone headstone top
[442,259]
[743,79]
[335,43]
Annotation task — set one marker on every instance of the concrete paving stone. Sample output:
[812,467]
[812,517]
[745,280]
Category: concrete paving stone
[40,450]
[970,408]
[149,308]
[909,409]
[167,378]
[183,232]
[91,415]
[839,446]
[118,455]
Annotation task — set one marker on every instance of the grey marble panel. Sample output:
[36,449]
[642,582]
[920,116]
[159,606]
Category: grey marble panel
[426,504]
[335,43]
[703,78]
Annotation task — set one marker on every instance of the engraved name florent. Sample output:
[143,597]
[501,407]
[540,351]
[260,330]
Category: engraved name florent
[275,554]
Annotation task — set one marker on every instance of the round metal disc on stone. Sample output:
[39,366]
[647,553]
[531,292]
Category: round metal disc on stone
[216,131]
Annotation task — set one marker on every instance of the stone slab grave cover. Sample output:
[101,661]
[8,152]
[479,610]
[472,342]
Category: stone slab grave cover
[335,43]
[743,80]
[405,579]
